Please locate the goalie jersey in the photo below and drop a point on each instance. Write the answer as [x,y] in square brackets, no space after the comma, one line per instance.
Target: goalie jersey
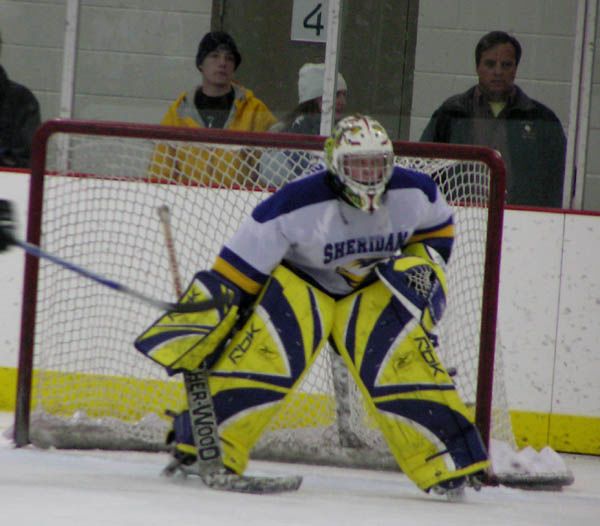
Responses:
[308,227]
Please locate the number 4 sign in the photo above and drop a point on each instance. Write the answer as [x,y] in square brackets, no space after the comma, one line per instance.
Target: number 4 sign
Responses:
[309,20]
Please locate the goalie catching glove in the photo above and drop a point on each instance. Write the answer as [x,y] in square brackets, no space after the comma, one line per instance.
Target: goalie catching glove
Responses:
[418,280]
[183,341]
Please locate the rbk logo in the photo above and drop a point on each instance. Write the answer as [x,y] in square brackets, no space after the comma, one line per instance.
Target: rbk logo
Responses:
[426,350]
[242,348]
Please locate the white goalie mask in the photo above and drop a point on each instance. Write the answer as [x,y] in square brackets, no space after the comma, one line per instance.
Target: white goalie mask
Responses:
[360,153]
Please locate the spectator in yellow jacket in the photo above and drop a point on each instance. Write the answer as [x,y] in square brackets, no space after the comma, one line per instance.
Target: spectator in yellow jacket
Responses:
[218,102]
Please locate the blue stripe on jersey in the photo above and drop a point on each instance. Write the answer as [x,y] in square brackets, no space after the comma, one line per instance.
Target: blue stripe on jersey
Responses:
[442,245]
[421,231]
[243,266]
[314,189]
[404,178]
[295,195]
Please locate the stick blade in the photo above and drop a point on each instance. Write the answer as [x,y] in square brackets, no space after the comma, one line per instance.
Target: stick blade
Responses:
[224,481]
[258,485]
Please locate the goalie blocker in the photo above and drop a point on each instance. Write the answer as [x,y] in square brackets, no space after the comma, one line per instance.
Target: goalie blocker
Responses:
[383,332]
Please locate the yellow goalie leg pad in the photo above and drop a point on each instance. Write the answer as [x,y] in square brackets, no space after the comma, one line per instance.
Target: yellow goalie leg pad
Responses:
[182,341]
[406,388]
[264,362]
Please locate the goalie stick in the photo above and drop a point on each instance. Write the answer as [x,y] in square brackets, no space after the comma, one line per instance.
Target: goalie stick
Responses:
[209,464]
[7,235]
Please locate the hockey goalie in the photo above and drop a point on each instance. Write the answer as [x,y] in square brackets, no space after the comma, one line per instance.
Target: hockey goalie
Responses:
[353,253]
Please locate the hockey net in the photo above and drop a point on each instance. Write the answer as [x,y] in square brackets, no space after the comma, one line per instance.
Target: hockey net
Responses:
[95,192]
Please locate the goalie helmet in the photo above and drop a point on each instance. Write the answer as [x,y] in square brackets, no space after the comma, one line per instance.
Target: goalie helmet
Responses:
[360,155]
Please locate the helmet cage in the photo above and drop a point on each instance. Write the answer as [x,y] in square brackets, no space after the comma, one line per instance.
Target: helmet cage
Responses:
[364,177]
[361,155]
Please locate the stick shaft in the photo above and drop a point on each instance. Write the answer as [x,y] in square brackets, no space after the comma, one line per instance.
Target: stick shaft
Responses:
[165,220]
[203,419]
[36,251]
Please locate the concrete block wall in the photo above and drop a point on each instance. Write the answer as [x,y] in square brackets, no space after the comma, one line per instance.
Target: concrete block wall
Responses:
[32,48]
[134,57]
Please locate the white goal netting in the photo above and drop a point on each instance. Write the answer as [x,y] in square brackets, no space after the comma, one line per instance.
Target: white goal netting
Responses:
[101,193]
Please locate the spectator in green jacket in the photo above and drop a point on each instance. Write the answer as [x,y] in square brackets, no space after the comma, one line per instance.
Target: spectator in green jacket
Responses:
[19,118]
[497,113]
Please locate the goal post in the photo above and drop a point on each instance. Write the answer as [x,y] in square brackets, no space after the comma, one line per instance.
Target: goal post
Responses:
[95,188]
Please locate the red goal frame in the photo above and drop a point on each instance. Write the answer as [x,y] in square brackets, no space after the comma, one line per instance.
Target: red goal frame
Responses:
[495,207]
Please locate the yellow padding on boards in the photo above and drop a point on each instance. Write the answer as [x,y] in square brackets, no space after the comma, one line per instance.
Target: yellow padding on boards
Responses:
[128,399]
[566,433]
[131,399]
[8,388]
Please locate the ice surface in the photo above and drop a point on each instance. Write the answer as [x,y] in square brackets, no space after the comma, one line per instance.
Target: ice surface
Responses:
[93,488]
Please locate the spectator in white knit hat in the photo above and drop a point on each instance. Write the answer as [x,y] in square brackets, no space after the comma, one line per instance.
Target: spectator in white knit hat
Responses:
[278,167]
[306,116]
